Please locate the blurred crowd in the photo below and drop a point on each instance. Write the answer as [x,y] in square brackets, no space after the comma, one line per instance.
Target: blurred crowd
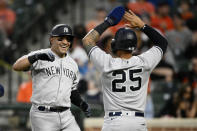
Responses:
[175,19]
[7,21]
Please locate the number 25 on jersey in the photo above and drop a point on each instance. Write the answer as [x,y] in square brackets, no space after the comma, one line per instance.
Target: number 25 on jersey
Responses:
[123,79]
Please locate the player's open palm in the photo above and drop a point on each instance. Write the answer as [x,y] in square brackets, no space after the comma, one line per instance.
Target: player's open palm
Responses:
[134,21]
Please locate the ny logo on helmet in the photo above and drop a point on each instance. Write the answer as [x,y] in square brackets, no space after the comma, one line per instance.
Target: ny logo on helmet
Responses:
[65,29]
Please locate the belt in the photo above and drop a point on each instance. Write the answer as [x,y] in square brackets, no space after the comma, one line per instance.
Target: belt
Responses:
[125,113]
[53,109]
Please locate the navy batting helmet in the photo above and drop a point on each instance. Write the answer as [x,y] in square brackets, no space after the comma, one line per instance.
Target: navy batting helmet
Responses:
[62,30]
[125,39]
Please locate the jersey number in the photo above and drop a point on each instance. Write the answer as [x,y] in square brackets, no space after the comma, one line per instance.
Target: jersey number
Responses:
[123,79]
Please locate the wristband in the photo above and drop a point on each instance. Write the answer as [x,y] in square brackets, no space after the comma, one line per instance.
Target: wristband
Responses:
[102,27]
[143,27]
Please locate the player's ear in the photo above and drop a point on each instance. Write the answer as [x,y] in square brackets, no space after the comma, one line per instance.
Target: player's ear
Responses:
[50,40]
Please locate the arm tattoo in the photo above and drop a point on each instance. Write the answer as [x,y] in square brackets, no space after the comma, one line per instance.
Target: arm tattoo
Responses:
[90,40]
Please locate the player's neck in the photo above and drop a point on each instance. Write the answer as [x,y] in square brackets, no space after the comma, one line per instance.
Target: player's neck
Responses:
[124,55]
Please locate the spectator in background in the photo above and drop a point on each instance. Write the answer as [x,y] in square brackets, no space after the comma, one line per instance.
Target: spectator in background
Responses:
[183,104]
[189,76]
[7,21]
[100,14]
[185,10]
[171,3]
[179,38]
[162,20]
[77,52]
[170,107]
[141,6]
[163,71]
[187,103]
[162,76]
[93,94]
[192,77]
[25,91]
[191,49]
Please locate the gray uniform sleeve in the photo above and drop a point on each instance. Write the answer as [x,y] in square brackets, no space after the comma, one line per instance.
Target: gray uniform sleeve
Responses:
[151,57]
[99,58]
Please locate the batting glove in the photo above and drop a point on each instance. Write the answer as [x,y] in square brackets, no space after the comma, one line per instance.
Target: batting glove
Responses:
[41,56]
[115,15]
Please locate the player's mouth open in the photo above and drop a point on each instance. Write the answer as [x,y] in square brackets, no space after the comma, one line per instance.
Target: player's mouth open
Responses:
[63,46]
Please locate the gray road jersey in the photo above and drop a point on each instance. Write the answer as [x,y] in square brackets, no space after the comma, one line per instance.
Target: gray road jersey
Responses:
[125,81]
[53,81]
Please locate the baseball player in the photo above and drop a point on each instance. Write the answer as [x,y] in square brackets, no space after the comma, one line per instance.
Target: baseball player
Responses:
[124,77]
[55,77]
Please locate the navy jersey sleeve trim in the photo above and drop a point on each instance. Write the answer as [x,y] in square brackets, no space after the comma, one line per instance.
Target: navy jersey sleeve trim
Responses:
[91,51]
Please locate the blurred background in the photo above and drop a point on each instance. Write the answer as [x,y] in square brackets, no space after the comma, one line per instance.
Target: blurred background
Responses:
[172,92]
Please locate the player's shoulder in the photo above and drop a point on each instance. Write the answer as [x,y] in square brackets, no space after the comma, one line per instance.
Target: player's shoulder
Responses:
[45,50]
[156,50]
[40,51]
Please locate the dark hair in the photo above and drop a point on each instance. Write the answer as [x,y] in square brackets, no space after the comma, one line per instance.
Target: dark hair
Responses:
[182,91]
[103,42]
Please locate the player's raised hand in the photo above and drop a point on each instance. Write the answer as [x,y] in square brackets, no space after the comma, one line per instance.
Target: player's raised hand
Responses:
[41,56]
[133,20]
[46,56]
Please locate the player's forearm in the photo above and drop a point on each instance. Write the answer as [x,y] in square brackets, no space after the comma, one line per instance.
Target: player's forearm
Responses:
[155,37]
[76,98]
[90,40]
[93,36]
[21,64]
